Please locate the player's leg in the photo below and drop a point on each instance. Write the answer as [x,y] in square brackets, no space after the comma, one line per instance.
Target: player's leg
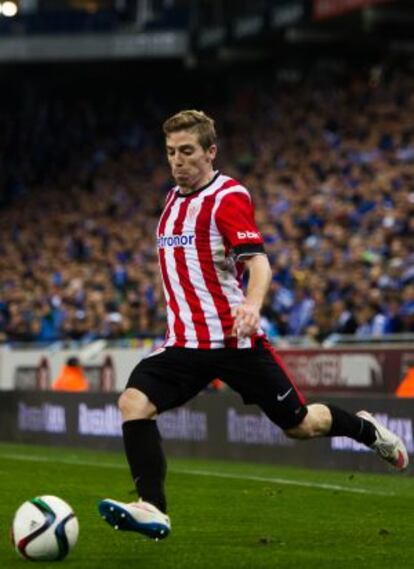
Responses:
[325,420]
[328,420]
[142,444]
[161,381]
[331,421]
[265,381]
[146,459]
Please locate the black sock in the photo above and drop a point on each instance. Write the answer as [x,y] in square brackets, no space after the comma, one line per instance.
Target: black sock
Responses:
[146,460]
[346,424]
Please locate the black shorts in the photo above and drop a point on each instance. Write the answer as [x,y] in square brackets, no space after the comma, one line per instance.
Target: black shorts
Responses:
[172,376]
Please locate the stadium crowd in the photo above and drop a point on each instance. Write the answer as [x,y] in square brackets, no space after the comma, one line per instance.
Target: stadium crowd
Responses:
[330,167]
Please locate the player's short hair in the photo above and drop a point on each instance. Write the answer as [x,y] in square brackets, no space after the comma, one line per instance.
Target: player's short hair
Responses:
[196,121]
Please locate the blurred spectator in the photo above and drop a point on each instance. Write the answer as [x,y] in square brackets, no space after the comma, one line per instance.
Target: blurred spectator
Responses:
[343,319]
[83,182]
[71,377]
[371,322]
[406,387]
[300,314]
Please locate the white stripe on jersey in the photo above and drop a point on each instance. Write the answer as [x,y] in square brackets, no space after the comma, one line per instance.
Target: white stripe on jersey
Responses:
[169,199]
[185,311]
[195,273]
[214,324]
[231,289]
[170,313]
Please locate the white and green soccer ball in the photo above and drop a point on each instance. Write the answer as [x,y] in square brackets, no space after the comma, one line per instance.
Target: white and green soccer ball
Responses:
[45,529]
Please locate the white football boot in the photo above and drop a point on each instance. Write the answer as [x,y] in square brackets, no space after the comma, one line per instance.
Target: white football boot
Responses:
[136,516]
[388,445]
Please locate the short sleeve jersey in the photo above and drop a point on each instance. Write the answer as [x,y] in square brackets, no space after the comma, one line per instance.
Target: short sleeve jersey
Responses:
[203,238]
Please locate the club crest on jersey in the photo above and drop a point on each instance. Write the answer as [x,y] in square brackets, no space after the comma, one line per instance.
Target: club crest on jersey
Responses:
[193,211]
[185,240]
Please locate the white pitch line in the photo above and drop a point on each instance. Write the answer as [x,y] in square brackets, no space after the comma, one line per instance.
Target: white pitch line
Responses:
[58,460]
[287,482]
[234,476]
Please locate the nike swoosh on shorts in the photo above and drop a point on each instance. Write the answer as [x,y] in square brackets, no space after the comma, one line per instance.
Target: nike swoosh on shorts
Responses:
[282,397]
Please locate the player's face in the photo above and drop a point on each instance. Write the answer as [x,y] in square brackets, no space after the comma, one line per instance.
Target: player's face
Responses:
[191,165]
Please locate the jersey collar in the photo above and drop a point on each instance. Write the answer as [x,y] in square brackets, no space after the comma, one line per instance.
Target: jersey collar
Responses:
[213,179]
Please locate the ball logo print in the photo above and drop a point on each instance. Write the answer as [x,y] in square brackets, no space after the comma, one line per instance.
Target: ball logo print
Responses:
[44,528]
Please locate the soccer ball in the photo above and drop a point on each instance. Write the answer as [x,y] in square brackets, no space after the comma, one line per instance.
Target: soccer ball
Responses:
[44,529]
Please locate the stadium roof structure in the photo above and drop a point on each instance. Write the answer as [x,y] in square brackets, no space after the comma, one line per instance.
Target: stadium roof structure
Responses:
[199,30]
[384,25]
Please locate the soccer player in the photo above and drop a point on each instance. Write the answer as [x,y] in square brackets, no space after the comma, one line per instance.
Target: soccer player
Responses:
[206,237]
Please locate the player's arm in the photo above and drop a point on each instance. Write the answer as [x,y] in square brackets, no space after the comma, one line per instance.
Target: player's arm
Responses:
[247,315]
[235,220]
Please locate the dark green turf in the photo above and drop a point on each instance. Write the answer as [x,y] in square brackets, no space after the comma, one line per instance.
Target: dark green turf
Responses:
[218,522]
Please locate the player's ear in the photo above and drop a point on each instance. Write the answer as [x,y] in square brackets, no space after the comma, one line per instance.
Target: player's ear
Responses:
[212,152]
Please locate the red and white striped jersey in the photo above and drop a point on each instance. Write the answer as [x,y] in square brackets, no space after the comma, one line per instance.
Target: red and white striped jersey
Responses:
[202,238]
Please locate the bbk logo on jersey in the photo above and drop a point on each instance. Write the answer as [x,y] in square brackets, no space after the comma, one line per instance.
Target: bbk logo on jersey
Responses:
[248,235]
[186,240]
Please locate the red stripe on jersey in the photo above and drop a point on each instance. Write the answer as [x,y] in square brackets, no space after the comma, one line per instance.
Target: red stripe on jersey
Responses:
[206,260]
[193,301]
[169,200]
[279,361]
[230,342]
[179,328]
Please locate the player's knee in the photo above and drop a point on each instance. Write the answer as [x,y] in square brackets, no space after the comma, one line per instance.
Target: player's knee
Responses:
[316,423]
[302,431]
[134,404]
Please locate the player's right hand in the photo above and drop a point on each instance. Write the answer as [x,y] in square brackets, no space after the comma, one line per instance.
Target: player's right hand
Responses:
[246,320]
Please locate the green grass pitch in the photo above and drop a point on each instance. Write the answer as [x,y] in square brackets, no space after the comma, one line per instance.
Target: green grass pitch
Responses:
[224,514]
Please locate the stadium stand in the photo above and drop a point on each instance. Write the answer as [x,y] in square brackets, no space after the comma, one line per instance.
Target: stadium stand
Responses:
[330,164]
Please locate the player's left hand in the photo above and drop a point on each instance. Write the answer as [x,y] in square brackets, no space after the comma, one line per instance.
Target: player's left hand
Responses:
[246,320]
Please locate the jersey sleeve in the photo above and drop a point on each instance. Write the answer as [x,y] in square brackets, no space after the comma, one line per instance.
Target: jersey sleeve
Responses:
[235,221]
